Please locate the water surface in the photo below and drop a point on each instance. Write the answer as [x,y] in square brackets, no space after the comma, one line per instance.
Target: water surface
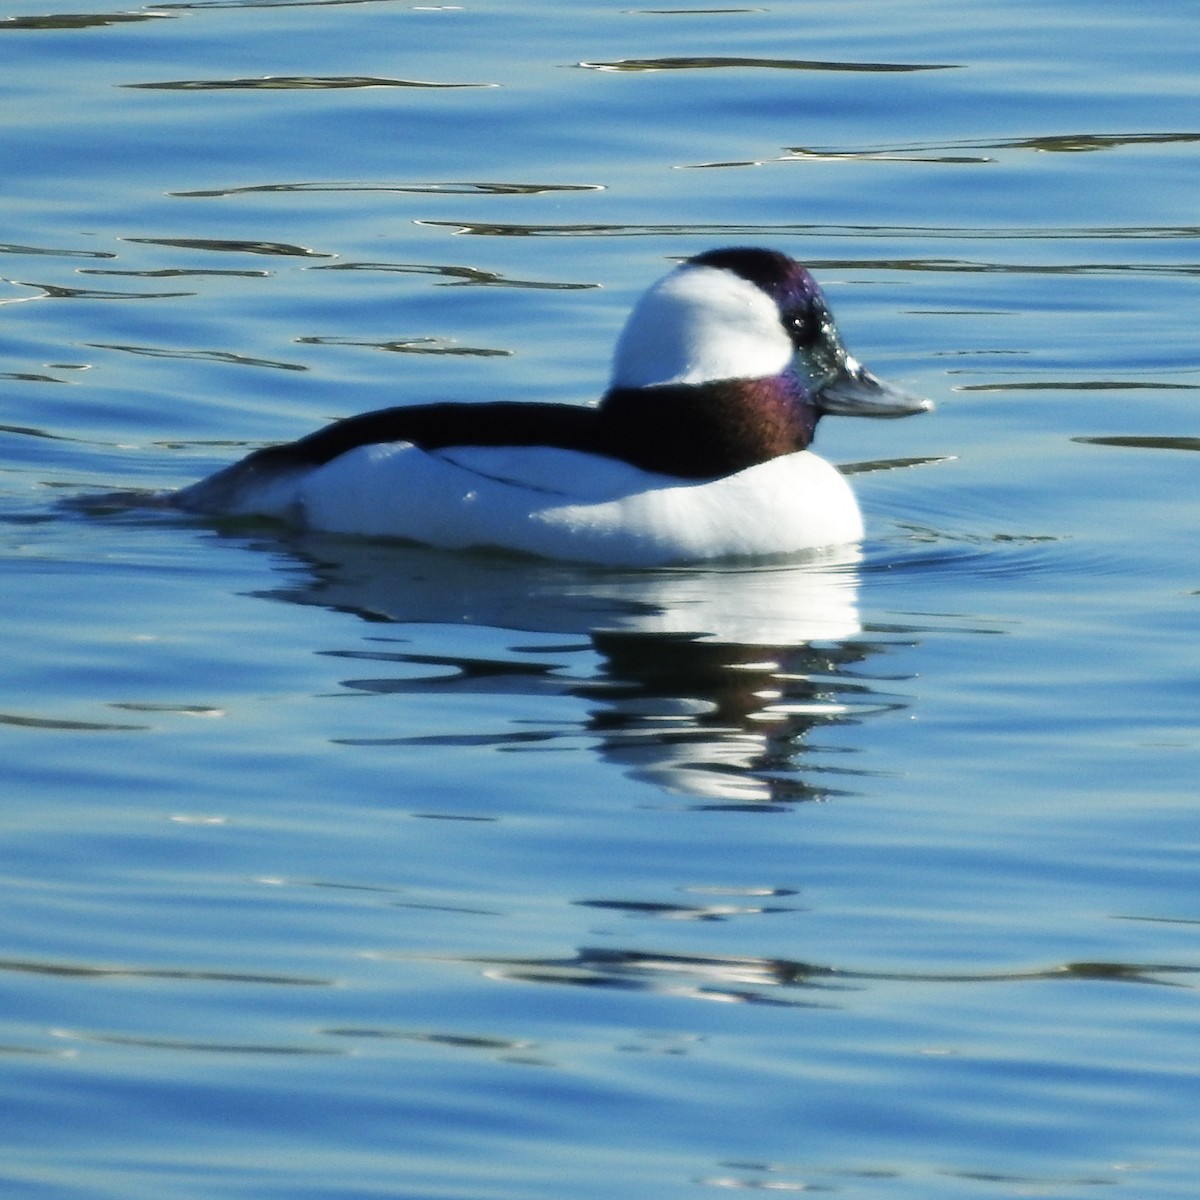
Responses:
[346,870]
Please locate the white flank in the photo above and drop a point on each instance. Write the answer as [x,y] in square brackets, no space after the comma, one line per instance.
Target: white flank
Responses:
[786,506]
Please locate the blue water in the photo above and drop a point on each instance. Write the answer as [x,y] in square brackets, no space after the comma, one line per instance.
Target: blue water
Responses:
[344,870]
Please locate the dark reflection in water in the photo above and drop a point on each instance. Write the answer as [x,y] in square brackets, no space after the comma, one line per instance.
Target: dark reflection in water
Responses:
[230,246]
[1135,442]
[453,188]
[707,682]
[77,970]
[699,912]
[58,291]
[776,981]
[188,5]
[177,273]
[798,1177]
[711,62]
[78,20]
[189,1045]
[1082,385]
[969,266]
[458,276]
[415,345]
[221,356]
[953,151]
[53,251]
[793,229]
[295,83]
[32,722]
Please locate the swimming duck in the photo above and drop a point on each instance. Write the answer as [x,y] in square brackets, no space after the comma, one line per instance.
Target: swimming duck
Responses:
[697,451]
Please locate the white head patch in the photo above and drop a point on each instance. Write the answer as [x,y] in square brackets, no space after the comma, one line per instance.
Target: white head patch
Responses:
[699,324]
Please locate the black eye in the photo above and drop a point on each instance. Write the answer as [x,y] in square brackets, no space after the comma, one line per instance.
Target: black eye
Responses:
[802,329]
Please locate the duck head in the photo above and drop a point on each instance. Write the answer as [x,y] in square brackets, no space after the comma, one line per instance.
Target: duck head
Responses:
[747,314]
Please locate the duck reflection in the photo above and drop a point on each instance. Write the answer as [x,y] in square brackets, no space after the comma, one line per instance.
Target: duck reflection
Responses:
[706,682]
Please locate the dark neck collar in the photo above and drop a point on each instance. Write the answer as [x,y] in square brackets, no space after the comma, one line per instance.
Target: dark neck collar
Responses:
[701,431]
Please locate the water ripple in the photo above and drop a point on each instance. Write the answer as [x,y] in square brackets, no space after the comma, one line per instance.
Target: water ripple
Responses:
[710,62]
[80,20]
[457,1041]
[1134,442]
[684,912]
[221,356]
[191,1045]
[228,246]
[177,273]
[458,276]
[807,1177]
[28,721]
[951,151]
[475,188]
[752,980]
[295,83]
[53,251]
[919,547]
[414,345]
[1105,233]
[1080,385]
[200,5]
[58,291]
[90,971]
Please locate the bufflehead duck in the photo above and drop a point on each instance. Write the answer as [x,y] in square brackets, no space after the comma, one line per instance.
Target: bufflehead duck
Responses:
[697,451]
